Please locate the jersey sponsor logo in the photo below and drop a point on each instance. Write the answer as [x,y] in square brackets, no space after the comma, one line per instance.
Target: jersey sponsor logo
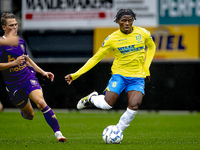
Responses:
[129,48]
[122,39]
[17,68]
[122,42]
[11,58]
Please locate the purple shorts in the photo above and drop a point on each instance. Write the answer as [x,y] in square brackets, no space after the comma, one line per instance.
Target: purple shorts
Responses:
[20,96]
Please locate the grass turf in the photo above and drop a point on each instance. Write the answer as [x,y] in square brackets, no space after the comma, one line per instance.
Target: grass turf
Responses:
[83,130]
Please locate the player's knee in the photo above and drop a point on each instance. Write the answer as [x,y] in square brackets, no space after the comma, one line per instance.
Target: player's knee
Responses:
[134,107]
[41,104]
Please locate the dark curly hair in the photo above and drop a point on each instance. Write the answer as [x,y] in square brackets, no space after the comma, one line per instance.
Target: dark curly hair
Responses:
[122,12]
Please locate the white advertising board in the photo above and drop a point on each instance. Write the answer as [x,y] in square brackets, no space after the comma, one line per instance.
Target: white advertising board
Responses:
[84,14]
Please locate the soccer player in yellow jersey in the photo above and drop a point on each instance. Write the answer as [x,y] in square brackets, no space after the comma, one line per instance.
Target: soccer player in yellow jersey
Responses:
[129,70]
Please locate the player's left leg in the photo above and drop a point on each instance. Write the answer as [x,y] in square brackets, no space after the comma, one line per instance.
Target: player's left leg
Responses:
[37,97]
[134,100]
[135,92]
[27,111]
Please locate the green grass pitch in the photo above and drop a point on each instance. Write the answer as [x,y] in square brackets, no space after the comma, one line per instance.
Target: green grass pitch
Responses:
[83,130]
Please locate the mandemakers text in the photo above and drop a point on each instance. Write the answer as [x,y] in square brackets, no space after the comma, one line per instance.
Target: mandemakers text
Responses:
[68,4]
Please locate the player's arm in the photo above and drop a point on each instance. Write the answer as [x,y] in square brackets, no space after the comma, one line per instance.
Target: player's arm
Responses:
[18,61]
[31,63]
[11,40]
[88,65]
[149,56]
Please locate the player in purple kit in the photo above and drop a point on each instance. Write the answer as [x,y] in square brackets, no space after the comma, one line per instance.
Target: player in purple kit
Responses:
[11,40]
[18,71]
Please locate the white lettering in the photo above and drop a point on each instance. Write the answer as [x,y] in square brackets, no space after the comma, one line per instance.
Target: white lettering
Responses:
[173,8]
[179,8]
[190,5]
[163,7]
[198,8]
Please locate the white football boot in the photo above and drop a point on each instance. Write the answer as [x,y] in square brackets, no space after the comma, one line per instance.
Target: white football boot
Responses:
[60,137]
[85,101]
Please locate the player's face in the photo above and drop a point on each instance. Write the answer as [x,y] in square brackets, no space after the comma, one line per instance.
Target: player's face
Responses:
[125,24]
[10,25]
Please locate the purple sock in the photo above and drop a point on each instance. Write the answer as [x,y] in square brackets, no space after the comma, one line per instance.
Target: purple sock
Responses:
[50,118]
[23,115]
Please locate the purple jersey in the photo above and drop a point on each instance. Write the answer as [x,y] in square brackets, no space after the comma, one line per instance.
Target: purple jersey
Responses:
[14,76]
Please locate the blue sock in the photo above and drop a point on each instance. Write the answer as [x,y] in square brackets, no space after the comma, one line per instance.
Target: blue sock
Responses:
[50,118]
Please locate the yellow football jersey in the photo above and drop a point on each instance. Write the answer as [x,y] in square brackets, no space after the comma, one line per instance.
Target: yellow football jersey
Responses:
[129,51]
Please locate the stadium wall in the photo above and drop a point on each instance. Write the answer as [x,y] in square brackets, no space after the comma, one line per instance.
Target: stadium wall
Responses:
[173,86]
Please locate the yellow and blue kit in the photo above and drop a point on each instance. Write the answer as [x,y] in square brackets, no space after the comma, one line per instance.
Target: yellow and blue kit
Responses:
[129,51]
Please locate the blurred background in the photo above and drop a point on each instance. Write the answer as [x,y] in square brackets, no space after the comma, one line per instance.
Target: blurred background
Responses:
[61,35]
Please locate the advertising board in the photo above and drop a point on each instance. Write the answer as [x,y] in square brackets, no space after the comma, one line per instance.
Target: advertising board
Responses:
[172,42]
[83,14]
[179,12]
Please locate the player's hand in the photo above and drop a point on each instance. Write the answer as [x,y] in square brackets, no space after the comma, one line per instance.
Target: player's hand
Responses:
[147,78]
[68,78]
[19,60]
[49,75]
[12,40]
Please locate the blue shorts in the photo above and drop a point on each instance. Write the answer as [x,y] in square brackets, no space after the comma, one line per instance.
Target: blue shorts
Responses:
[118,83]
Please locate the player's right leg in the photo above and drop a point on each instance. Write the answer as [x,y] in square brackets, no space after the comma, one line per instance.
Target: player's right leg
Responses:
[86,101]
[100,101]
[114,88]
[37,97]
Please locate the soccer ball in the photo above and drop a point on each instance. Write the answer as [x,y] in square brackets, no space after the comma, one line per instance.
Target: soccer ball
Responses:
[112,135]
